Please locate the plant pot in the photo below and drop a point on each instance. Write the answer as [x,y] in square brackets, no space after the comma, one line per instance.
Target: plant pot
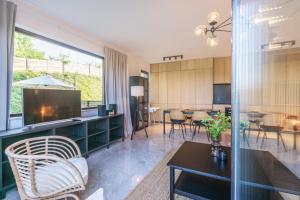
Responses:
[215,147]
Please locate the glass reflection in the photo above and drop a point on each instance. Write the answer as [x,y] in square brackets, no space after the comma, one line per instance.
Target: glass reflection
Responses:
[267,62]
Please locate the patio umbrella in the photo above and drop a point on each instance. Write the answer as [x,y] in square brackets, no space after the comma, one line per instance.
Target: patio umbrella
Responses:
[44,82]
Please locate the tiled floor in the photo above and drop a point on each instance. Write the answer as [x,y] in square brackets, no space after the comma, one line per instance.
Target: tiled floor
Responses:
[119,169]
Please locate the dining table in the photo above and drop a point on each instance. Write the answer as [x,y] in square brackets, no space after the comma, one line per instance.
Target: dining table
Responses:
[184,111]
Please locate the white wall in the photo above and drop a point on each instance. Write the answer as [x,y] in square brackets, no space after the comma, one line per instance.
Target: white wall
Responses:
[135,65]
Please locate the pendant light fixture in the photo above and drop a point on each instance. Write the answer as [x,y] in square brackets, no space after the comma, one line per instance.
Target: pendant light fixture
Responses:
[213,27]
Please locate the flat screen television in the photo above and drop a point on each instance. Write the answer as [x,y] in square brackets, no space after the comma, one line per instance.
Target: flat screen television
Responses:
[44,105]
[222,94]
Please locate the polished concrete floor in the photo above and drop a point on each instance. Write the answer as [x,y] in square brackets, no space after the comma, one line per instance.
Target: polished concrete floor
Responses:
[121,167]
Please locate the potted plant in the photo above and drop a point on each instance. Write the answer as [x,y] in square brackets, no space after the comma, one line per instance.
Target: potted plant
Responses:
[216,125]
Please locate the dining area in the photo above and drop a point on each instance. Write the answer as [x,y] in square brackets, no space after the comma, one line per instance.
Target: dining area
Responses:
[191,119]
[259,130]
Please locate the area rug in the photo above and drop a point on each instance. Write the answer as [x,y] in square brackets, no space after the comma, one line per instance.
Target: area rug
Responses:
[155,186]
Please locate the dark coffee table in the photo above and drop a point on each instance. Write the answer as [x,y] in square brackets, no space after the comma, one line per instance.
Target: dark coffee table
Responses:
[205,177]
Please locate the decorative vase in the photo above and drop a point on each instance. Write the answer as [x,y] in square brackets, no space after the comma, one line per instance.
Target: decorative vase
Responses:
[215,147]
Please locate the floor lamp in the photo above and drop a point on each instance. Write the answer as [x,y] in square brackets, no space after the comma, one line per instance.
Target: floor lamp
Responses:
[137,91]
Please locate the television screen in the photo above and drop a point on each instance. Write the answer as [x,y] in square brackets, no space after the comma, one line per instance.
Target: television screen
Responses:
[44,105]
[222,94]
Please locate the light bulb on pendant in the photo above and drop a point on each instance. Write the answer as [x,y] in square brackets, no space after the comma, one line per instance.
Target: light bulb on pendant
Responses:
[200,30]
[213,17]
[212,41]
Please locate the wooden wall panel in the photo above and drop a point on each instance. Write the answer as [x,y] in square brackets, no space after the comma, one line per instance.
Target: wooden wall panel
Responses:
[220,107]
[187,83]
[274,80]
[173,87]
[154,87]
[227,70]
[204,86]
[173,66]
[219,70]
[162,67]
[206,63]
[293,84]
[154,68]
[188,87]
[190,64]
[160,111]
[188,106]
[163,88]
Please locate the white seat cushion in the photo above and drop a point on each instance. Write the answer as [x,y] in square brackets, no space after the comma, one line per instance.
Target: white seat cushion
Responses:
[82,166]
[54,177]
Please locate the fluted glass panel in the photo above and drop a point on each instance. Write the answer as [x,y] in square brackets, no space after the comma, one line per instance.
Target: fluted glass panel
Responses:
[266,58]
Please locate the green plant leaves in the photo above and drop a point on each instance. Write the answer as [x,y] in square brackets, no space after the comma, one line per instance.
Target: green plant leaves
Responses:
[217,124]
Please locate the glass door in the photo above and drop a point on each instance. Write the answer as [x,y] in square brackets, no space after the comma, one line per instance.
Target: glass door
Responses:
[266,99]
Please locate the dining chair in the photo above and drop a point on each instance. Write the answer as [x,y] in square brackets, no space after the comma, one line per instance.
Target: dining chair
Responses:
[197,120]
[177,117]
[189,117]
[48,168]
[255,119]
[272,123]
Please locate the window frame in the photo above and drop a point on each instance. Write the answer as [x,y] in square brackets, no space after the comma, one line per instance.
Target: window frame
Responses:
[50,40]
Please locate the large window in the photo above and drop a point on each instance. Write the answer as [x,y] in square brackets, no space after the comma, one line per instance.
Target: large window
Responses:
[36,56]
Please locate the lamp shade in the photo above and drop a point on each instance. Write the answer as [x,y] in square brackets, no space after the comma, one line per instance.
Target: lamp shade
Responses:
[137,91]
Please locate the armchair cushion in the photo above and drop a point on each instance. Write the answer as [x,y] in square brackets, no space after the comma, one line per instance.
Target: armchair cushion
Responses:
[52,174]
[82,166]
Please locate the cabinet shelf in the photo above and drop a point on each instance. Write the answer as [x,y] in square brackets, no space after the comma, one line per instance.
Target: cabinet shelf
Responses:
[95,145]
[114,138]
[115,127]
[76,138]
[74,132]
[200,187]
[96,132]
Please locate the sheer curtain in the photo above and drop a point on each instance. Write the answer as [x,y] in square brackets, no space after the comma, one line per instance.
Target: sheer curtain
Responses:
[116,84]
[7,29]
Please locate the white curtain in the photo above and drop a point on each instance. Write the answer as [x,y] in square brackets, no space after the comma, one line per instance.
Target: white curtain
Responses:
[116,84]
[7,29]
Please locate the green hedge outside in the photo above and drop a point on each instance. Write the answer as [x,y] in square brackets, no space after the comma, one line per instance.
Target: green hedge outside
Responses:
[90,86]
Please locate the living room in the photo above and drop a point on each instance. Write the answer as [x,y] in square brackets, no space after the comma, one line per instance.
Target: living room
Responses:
[149,99]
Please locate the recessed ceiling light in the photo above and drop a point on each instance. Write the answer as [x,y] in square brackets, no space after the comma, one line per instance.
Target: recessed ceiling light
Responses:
[267,19]
[278,45]
[269,9]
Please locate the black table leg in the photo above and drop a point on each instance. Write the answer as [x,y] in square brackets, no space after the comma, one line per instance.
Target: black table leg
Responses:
[263,139]
[194,133]
[295,141]
[283,144]
[164,122]
[143,123]
[172,174]
[134,125]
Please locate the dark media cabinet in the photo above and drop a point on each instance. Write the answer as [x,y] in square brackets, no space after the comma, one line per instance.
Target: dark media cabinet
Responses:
[90,134]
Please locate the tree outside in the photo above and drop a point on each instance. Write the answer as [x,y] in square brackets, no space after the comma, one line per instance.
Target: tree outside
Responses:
[89,84]
[24,47]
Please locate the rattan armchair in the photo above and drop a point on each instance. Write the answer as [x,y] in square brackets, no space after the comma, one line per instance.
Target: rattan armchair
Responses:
[47,168]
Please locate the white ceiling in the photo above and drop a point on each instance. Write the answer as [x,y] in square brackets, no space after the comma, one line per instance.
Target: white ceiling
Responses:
[150,29]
